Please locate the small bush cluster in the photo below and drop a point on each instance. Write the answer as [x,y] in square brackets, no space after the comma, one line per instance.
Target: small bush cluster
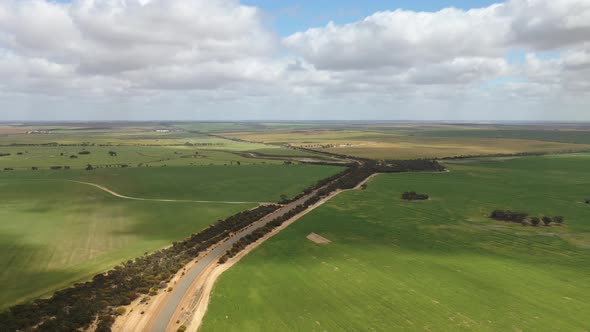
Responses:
[413,196]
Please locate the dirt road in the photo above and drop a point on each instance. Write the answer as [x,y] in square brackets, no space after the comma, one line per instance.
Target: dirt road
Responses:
[157,199]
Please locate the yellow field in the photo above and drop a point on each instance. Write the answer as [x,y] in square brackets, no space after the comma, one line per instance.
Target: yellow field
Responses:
[403,144]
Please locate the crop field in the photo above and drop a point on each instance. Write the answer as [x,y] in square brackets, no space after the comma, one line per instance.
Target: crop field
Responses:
[407,142]
[50,240]
[76,147]
[439,264]
[55,232]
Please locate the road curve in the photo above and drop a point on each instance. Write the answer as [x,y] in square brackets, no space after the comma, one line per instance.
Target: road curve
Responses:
[162,318]
[116,194]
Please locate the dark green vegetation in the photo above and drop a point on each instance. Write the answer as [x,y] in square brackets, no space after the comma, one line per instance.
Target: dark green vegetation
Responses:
[521,217]
[413,196]
[437,265]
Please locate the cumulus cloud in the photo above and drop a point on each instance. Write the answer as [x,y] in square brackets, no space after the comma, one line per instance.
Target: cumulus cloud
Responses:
[141,42]
[221,50]
[407,38]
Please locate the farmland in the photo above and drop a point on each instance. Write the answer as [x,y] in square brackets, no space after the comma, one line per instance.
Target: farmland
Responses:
[55,232]
[439,264]
[421,141]
[377,261]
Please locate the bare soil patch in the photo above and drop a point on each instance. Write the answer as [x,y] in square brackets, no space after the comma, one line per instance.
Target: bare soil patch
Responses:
[315,238]
[12,130]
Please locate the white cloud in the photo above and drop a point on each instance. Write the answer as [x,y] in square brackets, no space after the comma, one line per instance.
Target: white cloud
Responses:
[408,38]
[141,42]
[402,38]
[219,52]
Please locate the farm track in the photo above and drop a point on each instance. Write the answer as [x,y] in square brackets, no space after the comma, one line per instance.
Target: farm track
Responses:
[157,199]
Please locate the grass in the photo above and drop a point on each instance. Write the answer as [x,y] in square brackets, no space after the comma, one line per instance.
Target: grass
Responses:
[252,183]
[134,146]
[49,241]
[60,232]
[439,264]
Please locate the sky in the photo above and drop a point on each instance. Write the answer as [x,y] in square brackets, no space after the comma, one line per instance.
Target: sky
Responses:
[95,60]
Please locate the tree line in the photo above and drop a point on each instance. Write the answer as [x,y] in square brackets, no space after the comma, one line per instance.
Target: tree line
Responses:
[523,218]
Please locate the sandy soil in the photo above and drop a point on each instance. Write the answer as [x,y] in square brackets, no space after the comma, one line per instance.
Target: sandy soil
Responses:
[316,238]
[12,130]
[158,199]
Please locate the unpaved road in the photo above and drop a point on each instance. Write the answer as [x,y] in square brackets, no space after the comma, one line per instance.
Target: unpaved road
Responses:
[164,316]
[160,319]
[157,199]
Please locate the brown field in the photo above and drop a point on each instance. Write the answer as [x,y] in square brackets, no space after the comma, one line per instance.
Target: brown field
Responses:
[403,144]
[12,130]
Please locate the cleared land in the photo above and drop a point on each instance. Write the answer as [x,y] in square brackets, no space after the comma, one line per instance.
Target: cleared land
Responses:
[424,141]
[432,265]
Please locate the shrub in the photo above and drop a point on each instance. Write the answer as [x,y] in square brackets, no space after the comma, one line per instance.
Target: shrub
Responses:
[535,221]
[508,215]
[413,196]
[547,220]
[120,311]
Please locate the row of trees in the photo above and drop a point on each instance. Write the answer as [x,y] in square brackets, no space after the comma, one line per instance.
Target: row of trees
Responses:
[522,217]
[347,179]
[77,307]
[413,196]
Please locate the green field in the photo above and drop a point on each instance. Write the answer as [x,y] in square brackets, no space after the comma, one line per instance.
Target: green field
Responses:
[56,232]
[134,146]
[252,183]
[438,265]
